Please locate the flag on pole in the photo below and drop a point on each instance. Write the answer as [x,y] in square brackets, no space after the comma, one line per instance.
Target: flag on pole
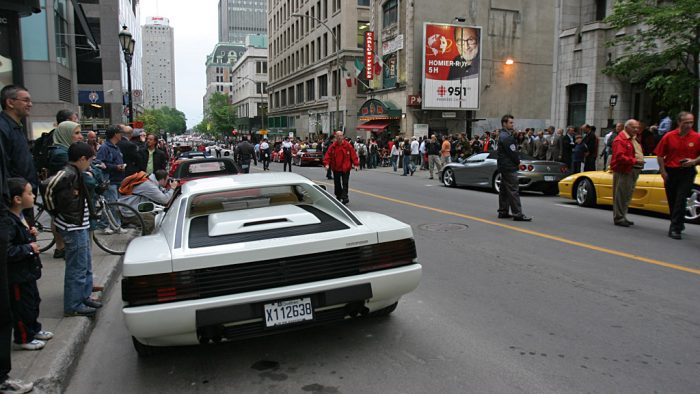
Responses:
[358,67]
[348,78]
[378,65]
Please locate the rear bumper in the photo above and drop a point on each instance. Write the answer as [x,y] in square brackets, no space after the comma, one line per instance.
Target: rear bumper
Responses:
[240,315]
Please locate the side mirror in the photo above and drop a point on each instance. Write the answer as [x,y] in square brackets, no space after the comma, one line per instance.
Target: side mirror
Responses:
[145,207]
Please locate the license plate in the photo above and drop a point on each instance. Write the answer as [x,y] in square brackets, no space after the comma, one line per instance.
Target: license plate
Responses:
[289,311]
[548,178]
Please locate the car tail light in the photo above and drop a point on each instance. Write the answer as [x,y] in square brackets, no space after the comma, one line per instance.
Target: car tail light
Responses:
[388,255]
[530,167]
[158,288]
[522,167]
[564,169]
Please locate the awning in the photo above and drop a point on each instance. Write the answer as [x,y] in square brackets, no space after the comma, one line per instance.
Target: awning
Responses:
[374,125]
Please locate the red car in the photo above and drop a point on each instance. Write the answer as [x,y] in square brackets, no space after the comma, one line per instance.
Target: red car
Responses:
[307,156]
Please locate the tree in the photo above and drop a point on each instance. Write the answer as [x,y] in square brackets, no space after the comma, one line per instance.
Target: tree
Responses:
[220,116]
[662,53]
[168,119]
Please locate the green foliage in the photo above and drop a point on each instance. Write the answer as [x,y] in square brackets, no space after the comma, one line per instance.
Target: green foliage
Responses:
[167,119]
[661,48]
[220,116]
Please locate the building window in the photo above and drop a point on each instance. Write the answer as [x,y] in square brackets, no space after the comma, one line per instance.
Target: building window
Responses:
[600,6]
[325,9]
[577,94]
[364,3]
[391,13]
[300,93]
[310,90]
[61,29]
[362,27]
[323,86]
[291,95]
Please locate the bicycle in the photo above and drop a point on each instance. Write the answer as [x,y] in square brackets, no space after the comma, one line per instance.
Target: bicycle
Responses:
[122,227]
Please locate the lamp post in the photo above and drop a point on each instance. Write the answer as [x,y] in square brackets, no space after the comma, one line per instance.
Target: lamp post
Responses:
[262,104]
[128,43]
[613,103]
[337,61]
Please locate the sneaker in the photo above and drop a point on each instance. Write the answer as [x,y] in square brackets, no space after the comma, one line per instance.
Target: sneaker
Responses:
[92,303]
[109,231]
[84,311]
[59,253]
[15,386]
[35,344]
[43,335]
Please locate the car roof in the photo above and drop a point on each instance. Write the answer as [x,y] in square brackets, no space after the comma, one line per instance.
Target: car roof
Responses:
[241,181]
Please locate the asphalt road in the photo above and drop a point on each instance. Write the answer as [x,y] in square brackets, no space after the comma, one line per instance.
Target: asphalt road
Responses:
[568,303]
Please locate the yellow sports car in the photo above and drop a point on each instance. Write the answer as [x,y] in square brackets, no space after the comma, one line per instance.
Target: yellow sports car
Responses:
[595,187]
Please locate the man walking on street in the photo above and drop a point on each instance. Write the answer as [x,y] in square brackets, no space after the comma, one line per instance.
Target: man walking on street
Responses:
[433,148]
[626,163]
[508,162]
[678,153]
[340,158]
[245,152]
[445,151]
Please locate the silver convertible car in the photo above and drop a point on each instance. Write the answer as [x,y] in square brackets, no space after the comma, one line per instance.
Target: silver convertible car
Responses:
[480,170]
[247,255]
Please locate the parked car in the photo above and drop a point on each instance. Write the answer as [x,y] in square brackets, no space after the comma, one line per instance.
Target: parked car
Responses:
[191,169]
[595,188]
[240,256]
[307,156]
[481,170]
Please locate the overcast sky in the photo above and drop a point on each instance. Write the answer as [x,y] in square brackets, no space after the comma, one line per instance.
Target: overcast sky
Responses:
[195,24]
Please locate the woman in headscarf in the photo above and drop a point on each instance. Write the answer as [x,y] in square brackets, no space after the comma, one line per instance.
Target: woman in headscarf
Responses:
[65,134]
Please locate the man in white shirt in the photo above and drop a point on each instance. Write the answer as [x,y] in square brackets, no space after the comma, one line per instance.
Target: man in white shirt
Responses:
[415,154]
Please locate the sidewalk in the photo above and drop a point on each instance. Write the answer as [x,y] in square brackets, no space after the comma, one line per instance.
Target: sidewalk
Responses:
[51,367]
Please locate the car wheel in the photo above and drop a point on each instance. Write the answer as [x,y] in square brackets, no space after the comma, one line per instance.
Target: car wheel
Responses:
[143,350]
[692,208]
[496,182]
[585,193]
[448,177]
[385,311]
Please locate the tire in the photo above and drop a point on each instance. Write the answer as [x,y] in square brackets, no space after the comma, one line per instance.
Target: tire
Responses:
[143,350]
[42,222]
[692,208]
[385,311]
[496,182]
[117,243]
[585,193]
[448,177]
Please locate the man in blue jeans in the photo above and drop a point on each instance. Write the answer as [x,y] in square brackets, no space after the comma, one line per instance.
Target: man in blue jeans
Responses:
[111,156]
[73,222]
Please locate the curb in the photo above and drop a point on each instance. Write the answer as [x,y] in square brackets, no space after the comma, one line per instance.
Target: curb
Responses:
[61,368]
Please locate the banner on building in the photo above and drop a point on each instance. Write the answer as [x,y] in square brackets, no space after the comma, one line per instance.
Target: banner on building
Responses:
[369,55]
[390,71]
[451,66]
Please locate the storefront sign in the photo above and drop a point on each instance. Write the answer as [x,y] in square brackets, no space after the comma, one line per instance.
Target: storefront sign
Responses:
[369,55]
[91,97]
[414,100]
[420,130]
[393,45]
[451,66]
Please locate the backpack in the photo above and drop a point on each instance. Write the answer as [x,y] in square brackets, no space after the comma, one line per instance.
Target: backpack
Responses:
[133,180]
[46,194]
[373,148]
[362,150]
[40,150]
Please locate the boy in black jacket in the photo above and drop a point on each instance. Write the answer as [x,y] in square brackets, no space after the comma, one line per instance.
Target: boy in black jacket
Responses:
[24,269]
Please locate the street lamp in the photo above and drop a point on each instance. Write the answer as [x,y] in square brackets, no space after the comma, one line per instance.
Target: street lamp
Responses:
[128,43]
[262,104]
[338,66]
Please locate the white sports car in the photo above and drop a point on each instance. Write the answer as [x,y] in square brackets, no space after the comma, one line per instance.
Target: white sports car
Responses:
[248,255]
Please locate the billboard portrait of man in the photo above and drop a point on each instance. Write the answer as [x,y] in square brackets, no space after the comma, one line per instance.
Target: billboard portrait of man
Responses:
[467,62]
[451,66]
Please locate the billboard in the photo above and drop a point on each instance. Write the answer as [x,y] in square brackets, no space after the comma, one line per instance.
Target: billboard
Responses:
[451,66]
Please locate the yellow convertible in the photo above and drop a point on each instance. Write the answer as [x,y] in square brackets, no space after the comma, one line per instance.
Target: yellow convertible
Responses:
[595,187]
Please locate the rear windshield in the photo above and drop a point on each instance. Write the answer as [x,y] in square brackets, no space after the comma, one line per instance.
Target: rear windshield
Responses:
[233,200]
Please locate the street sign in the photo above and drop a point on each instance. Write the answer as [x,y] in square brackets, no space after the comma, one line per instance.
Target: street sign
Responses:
[414,100]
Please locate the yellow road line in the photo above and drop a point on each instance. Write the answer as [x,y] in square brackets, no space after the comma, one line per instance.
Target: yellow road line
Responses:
[535,233]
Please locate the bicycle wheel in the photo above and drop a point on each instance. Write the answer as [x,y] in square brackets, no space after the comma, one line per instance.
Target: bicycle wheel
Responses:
[42,222]
[125,224]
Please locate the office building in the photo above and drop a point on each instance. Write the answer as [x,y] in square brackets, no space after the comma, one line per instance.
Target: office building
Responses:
[239,18]
[158,64]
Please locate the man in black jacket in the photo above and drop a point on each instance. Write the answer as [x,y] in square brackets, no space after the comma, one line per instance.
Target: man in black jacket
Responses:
[153,158]
[130,152]
[245,152]
[16,105]
[508,163]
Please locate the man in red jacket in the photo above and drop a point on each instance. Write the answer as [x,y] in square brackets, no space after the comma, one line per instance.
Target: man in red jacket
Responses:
[626,163]
[340,158]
